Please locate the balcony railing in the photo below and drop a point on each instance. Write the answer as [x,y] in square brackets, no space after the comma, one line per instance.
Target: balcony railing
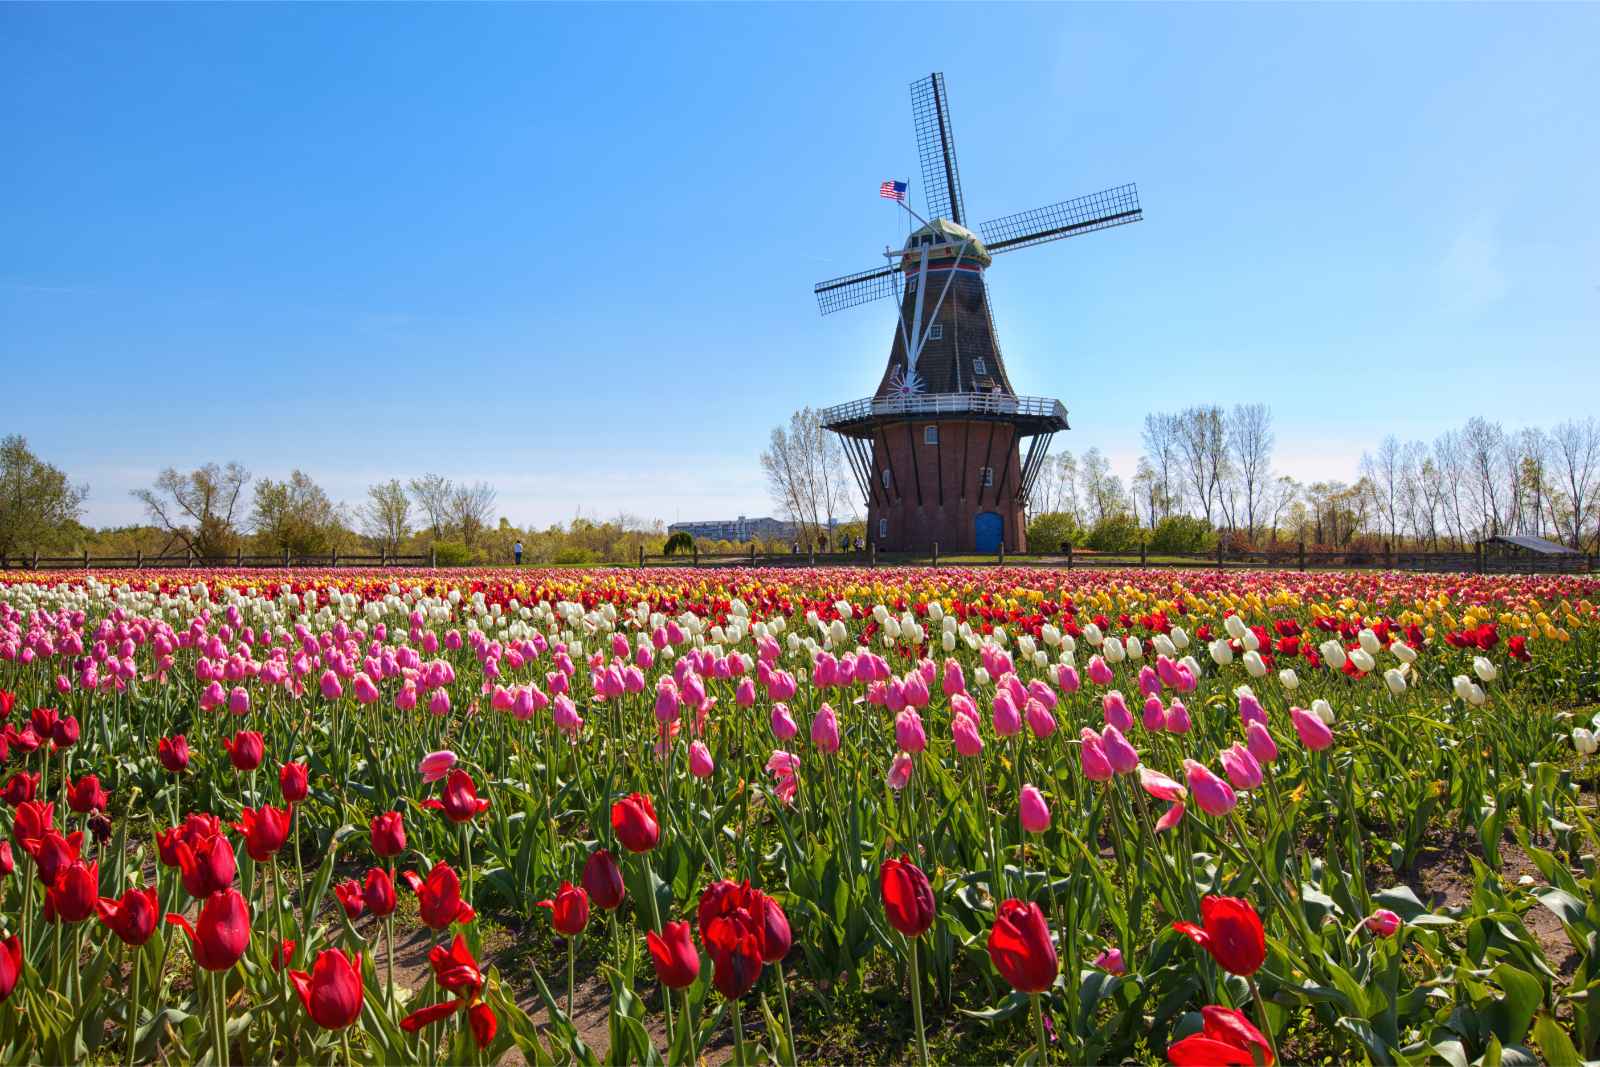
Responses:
[945,404]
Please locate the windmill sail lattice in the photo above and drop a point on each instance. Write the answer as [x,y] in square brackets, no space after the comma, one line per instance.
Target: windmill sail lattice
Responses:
[936,450]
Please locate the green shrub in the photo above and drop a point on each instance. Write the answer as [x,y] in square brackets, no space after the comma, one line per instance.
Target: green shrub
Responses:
[1182,535]
[1115,533]
[678,542]
[451,554]
[575,555]
[1049,531]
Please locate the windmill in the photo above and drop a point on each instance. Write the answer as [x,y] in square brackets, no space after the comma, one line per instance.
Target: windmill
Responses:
[937,449]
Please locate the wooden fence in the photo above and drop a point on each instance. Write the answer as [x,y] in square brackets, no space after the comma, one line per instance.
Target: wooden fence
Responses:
[139,561]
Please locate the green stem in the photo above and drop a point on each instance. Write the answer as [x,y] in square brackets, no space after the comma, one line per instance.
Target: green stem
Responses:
[740,1057]
[688,1021]
[1043,1055]
[1261,1016]
[916,1003]
[788,1026]
[133,1005]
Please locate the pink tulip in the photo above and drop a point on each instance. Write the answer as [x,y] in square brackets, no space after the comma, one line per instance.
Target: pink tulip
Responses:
[899,772]
[1259,740]
[435,765]
[916,690]
[1212,794]
[825,730]
[366,692]
[700,763]
[744,695]
[965,733]
[1250,710]
[1160,786]
[1067,679]
[331,689]
[1122,756]
[1040,721]
[1178,718]
[1382,922]
[1099,671]
[667,703]
[1116,710]
[1314,733]
[1007,722]
[962,705]
[1092,757]
[955,680]
[1110,961]
[239,700]
[1038,690]
[783,724]
[565,715]
[908,731]
[1173,816]
[439,702]
[1033,811]
[1149,681]
[1154,716]
[1242,769]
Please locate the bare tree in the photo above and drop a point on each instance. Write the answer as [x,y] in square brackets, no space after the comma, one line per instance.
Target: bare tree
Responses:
[197,508]
[433,493]
[1384,472]
[805,470]
[1162,448]
[1282,495]
[295,515]
[1249,443]
[37,503]
[1102,490]
[386,514]
[1202,445]
[1576,446]
[1483,444]
[470,509]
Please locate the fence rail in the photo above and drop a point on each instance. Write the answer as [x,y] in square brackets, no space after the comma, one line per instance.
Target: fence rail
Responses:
[139,561]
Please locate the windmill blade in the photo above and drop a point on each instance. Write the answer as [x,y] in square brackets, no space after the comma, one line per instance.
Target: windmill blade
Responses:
[839,293]
[936,149]
[1116,206]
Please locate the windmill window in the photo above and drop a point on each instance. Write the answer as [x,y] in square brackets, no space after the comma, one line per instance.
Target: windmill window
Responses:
[930,435]
[979,366]
[986,476]
[886,478]
[883,527]
[936,332]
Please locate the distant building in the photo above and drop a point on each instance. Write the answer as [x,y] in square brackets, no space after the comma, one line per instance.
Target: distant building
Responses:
[739,530]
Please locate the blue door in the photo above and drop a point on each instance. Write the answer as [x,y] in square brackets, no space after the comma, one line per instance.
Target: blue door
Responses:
[988,529]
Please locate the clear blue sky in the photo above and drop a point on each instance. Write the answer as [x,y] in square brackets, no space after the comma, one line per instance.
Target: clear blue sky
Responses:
[570,250]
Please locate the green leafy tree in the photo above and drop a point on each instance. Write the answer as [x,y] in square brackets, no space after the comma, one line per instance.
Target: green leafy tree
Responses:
[39,507]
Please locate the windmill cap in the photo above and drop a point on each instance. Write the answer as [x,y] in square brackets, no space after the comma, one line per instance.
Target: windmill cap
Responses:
[945,234]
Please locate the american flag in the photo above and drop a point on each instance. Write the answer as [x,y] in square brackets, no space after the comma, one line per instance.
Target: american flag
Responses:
[893,190]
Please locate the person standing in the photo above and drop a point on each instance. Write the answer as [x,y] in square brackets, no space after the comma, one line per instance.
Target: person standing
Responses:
[516,550]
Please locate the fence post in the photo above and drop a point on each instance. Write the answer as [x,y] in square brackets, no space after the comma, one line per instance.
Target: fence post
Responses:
[138,559]
[1477,556]
[1069,555]
[872,554]
[936,553]
[1002,551]
[383,556]
[433,556]
[86,559]
[335,562]
[286,559]
[1388,556]
[188,556]
[1143,549]
[696,555]
[1219,550]
[1302,555]
[752,553]
[641,555]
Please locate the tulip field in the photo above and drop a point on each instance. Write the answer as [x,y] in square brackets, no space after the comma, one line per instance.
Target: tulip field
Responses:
[792,816]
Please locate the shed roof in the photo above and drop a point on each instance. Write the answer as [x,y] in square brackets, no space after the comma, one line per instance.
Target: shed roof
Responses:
[1534,544]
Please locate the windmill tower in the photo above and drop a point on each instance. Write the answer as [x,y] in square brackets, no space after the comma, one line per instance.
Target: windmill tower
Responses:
[937,450]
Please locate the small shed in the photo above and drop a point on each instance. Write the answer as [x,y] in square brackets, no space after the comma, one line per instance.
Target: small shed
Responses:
[1522,554]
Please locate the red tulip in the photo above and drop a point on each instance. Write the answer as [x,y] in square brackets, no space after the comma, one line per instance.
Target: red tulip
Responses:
[265,829]
[388,834]
[677,962]
[907,896]
[33,819]
[221,933]
[1231,931]
[439,900]
[43,722]
[602,878]
[173,752]
[19,788]
[481,1019]
[194,830]
[10,965]
[294,781]
[7,863]
[569,911]
[633,819]
[332,992]
[773,927]
[73,896]
[378,892]
[51,854]
[1021,949]
[65,733]
[85,795]
[208,866]
[1227,1038]
[455,968]
[132,918]
[351,896]
[246,750]
[735,948]
[461,802]
[283,953]
[8,700]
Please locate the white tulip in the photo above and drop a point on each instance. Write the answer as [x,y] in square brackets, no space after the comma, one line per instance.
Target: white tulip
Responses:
[1041,659]
[1221,652]
[1362,659]
[837,632]
[1253,664]
[843,608]
[1403,652]
[1068,645]
[1332,654]
[1369,641]
[1135,648]
[1323,710]
[1250,641]
[1461,685]
[935,610]
[1395,679]
[1092,634]
[1484,669]
[980,676]
[1113,651]
[879,613]
[1025,645]
[1242,691]
[1235,627]
[1190,662]
[1585,741]
[891,627]
[1164,646]
[947,640]
[1000,636]
[1180,637]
